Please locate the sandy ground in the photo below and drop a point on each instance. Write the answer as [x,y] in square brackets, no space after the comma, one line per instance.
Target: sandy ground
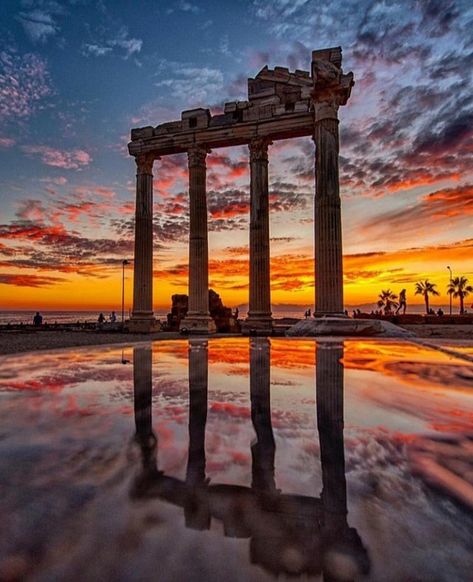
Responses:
[18,341]
[12,342]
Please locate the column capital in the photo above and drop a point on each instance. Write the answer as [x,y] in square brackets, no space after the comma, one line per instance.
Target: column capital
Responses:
[258,147]
[196,155]
[144,163]
[331,88]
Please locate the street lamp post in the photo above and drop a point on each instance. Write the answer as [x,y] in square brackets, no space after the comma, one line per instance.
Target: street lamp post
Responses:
[124,263]
[451,277]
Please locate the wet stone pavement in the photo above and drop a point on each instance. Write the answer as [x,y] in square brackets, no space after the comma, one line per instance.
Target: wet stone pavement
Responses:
[237,459]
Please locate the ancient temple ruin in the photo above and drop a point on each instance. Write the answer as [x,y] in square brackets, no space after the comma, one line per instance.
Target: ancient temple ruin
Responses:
[280,105]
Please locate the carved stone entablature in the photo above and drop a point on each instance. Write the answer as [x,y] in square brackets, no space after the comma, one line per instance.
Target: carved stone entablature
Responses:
[331,86]
[280,105]
[196,155]
[144,163]
[258,147]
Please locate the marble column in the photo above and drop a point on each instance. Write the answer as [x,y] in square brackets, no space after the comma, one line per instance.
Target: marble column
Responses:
[331,89]
[327,216]
[259,313]
[142,319]
[198,319]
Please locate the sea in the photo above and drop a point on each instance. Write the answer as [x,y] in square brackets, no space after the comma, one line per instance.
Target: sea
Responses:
[293,311]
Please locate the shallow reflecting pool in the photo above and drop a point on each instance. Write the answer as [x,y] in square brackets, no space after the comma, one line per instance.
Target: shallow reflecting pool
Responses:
[237,459]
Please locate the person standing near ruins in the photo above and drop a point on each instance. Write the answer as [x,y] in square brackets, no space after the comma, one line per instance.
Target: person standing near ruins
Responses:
[402,302]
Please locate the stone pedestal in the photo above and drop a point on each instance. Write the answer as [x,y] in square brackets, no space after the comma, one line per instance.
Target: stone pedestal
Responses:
[142,318]
[198,320]
[259,313]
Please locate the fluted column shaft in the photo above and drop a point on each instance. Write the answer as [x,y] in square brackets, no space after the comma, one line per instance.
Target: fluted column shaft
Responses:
[328,222]
[198,238]
[143,263]
[260,293]
[198,319]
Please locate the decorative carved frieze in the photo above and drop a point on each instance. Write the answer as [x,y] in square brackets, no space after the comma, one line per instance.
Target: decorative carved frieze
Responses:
[144,163]
[331,86]
[196,155]
[258,147]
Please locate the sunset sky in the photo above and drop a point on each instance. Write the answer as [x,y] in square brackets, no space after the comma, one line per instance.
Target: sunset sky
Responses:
[77,75]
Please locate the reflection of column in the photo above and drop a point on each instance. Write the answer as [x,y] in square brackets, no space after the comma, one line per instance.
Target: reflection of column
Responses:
[259,313]
[142,318]
[196,505]
[142,391]
[344,556]
[198,319]
[264,448]
[329,395]
[198,387]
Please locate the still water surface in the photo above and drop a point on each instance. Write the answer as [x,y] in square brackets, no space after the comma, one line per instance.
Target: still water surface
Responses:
[235,459]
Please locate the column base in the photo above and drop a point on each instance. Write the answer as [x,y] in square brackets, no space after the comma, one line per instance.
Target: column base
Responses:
[256,324]
[196,323]
[142,324]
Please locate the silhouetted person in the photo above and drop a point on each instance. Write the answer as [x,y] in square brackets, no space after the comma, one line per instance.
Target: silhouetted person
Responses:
[101,319]
[237,313]
[113,317]
[346,312]
[402,302]
[38,319]
[440,312]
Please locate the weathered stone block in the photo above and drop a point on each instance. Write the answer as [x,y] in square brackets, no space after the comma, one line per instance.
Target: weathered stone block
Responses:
[230,107]
[141,132]
[301,106]
[344,326]
[195,118]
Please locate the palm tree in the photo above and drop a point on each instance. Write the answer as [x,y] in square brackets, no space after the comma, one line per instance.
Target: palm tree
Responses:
[458,287]
[425,288]
[387,299]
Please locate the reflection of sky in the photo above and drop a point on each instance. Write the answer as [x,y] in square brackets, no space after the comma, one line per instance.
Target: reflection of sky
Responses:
[67,424]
